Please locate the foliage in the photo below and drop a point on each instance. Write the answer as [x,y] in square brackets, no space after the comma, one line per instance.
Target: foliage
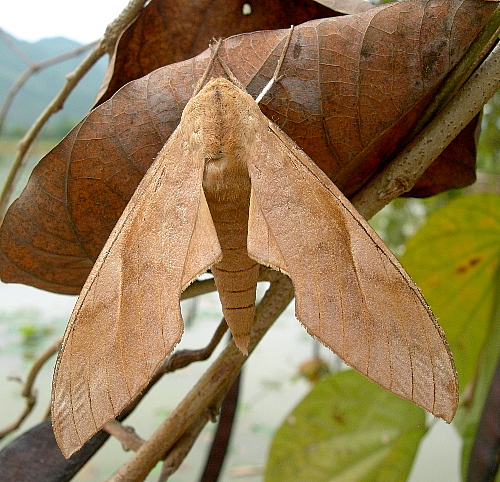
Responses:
[347,429]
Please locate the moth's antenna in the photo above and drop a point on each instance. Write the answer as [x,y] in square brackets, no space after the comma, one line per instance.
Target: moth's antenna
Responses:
[230,74]
[214,46]
[276,77]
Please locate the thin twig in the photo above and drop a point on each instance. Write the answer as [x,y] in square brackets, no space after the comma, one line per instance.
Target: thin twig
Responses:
[105,45]
[32,69]
[14,48]
[30,403]
[183,358]
[28,392]
[38,364]
[125,434]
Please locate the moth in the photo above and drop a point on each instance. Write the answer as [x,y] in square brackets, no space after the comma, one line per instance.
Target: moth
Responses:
[230,191]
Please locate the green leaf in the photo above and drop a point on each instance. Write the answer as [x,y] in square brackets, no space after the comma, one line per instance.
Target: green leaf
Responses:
[347,429]
[454,258]
[469,415]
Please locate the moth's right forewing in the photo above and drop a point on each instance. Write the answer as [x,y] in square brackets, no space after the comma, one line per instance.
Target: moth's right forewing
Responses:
[127,318]
[351,292]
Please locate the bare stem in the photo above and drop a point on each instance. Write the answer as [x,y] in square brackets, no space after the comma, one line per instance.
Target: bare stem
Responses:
[28,393]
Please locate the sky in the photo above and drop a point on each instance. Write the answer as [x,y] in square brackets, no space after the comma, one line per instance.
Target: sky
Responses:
[83,21]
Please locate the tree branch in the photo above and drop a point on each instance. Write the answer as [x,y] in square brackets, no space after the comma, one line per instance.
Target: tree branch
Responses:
[401,175]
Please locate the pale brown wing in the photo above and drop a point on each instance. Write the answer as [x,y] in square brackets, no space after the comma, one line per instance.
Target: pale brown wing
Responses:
[127,318]
[351,292]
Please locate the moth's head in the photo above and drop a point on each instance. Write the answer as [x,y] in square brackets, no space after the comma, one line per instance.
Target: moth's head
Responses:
[219,119]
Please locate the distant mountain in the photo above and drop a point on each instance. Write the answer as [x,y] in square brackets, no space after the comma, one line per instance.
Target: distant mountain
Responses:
[41,88]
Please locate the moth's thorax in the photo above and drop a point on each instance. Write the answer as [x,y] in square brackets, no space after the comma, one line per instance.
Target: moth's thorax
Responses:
[218,124]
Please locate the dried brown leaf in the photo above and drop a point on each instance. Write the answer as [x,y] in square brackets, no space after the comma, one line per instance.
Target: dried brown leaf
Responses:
[169,31]
[353,88]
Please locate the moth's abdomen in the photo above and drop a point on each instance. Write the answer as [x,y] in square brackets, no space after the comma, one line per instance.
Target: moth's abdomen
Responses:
[236,274]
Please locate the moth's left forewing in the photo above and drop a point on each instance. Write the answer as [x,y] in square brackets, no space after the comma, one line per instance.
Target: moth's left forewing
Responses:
[351,292]
[127,318]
